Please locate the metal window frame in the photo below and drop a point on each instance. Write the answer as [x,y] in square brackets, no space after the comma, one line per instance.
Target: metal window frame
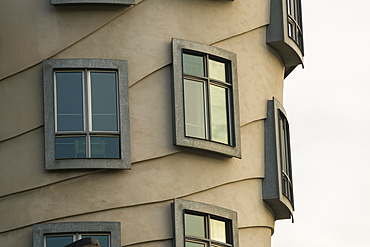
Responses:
[208,81]
[41,231]
[124,162]
[180,207]
[272,185]
[180,139]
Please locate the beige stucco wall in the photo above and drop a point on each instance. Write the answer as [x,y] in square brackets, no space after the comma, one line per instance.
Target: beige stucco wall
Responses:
[140,198]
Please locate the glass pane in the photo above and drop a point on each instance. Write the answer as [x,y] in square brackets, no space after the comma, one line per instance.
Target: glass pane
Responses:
[59,241]
[70,147]
[69,101]
[103,239]
[217,70]
[219,114]
[191,244]
[104,101]
[193,64]
[194,109]
[218,230]
[105,147]
[194,225]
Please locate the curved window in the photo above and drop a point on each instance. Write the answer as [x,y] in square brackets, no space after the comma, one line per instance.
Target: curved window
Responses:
[294,14]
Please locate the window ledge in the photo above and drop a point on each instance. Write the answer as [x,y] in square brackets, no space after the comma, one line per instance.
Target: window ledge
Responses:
[66,2]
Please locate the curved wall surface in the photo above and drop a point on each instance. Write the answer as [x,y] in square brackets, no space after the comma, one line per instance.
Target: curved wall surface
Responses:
[140,198]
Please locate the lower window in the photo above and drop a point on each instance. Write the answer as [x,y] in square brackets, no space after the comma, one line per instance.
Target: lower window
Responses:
[200,225]
[61,234]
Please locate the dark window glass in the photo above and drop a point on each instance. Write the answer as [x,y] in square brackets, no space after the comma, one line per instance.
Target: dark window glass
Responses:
[70,147]
[104,101]
[103,239]
[69,101]
[59,241]
[194,109]
[105,147]
[193,65]
[195,225]
[218,98]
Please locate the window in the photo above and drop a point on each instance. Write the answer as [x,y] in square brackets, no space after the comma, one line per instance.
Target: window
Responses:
[62,234]
[201,225]
[285,32]
[123,2]
[277,184]
[206,107]
[295,21]
[86,114]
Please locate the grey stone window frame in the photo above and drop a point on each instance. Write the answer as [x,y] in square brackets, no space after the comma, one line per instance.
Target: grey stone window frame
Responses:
[111,228]
[120,66]
[180,207]
[281,202]
[70,2]
[290,48]
[234,148]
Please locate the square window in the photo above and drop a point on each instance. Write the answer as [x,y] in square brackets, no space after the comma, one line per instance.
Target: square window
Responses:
[86,114]
[198,224]
[205,98]
[277,184]
[61,234]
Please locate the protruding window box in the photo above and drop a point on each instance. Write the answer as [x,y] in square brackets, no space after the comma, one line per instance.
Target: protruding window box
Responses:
[277,186]
[205,98]
[68,2]
[285,32]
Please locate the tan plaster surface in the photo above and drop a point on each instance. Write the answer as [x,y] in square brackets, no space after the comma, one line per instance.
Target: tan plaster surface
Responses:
[21,103]
[255,236]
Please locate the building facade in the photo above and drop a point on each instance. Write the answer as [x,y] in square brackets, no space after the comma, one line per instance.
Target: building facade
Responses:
[145,122]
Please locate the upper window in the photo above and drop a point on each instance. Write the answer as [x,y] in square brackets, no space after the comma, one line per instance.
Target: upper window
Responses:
[123,2]
[201,225]
[61,234]
[86,113]
[277,184]
[285,33]
[205,98]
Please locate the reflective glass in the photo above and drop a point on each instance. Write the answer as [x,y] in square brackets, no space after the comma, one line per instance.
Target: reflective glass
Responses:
[219,114]
[218,230]
[193,64]
[69,101]
[70,147]
[191,244]
[194,225]
[58,241]
[103,239]
[194,109]
[217,70]
[105,147]
[104,101]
